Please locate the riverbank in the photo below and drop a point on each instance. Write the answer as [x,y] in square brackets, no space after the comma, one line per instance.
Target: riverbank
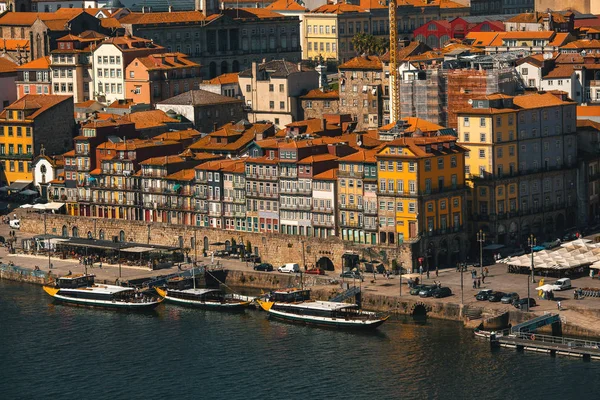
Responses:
[324,287]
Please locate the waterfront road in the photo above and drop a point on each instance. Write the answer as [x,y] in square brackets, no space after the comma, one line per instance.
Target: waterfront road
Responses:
[583,312]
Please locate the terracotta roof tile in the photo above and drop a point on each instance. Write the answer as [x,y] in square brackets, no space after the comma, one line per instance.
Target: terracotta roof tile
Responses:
[149,119]
[183,175]
[14,44]
[166,61]
[151,18]
[7,66]
[340,8]
[560,71]
[225,79]
[251,13]
[588,111]
[318,94]
[329,175]
[38,102]
[38,63]
[179,135]
[285,5]
[363,62]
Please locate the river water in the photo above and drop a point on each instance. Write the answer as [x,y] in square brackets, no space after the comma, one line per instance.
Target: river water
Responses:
[56,351]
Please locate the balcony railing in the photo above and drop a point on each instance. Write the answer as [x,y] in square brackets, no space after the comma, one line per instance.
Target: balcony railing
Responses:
[263,177]
[16,156]
[347,206]
[327,223]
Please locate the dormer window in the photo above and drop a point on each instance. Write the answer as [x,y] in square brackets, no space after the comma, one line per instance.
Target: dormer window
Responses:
[440,147]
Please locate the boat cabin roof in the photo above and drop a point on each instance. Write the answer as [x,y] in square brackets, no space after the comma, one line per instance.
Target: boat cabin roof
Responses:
[323,305]
[103,289]
[290,291]
[197,291]
[76,276]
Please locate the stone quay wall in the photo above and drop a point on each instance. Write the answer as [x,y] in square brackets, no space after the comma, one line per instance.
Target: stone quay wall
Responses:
[275,248]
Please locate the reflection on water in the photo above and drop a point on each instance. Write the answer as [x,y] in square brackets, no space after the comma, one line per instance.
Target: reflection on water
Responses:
[60,351]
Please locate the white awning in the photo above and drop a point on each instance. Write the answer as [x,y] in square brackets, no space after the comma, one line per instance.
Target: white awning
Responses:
[137,249]
[53,206]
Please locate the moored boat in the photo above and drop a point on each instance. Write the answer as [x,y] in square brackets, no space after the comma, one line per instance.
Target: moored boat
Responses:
[212,299]
[324,313]
[81,290]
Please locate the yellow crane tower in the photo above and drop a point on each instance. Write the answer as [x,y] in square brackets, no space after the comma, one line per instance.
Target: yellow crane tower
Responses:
[395,93]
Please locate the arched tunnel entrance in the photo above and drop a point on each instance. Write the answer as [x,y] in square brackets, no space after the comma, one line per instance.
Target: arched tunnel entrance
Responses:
[325,264]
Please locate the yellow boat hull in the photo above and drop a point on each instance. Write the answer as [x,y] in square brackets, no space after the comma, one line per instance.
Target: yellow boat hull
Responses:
[161,292]
[50,290]
[265,305]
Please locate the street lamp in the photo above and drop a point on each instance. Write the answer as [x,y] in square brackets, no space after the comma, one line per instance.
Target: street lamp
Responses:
[531,241]
[481,240]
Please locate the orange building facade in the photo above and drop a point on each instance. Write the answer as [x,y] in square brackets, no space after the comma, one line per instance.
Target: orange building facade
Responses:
[158,77]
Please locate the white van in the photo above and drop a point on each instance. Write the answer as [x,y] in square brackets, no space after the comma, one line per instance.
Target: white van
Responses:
[15,223]
[563,284]
[289,268]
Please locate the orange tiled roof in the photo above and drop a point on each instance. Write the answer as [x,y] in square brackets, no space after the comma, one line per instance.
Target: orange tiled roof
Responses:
[588,111]
[583,44]
[137,18]
[14,44]
[7,66]
[183,175]
[361,156]
[560,71]
[38,102]
[318,158]
[179,135]
[318,94]
[166,61]
[38,63]
[110,23]
[559,39]
[485,39]
[536,18]
[536,100]
[529,35]
[340,8]
[286,5]
[149,119]
[329,175]
[363,62]
[225,79]
[163,160]
[251,13]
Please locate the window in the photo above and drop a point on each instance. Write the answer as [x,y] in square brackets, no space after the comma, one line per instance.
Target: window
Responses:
[271,104]
[248,88]
[482,122]
[282,105]
[131,74]
[427,165]
[271,87]
[281,87]
[481,153]
[466,122]
[440,163]
[482,137]
[467,136]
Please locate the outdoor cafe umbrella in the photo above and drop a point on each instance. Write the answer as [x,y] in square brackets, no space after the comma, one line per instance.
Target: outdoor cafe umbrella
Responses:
[39,207]
[26,206]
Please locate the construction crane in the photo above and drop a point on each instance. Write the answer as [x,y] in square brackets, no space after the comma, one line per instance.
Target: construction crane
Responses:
[395,92]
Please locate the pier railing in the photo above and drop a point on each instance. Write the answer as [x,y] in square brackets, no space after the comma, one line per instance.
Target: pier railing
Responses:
[570,342]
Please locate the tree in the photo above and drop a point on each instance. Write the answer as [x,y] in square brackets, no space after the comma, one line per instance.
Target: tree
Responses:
[248,247]
[370,45]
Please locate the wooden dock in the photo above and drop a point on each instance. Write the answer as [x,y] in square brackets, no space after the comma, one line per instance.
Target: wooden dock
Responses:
[553,345]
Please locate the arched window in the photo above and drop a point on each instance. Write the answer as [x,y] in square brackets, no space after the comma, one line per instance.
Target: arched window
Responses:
[89,235]
[101,234]
[121,236]
[75,232]
[65,232]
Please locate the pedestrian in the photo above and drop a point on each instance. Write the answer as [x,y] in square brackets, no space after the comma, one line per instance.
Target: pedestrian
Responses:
[474,284]
[558,304]
[487,271]
[436,272]
[421,269]
[478,283]
[483,278]
[427,273]
[100,265]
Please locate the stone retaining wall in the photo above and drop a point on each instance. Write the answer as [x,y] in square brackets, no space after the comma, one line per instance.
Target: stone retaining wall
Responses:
[274,248]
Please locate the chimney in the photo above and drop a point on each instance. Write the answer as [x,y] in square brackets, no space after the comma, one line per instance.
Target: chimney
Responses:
[323,124]
[299,67]
[254,70]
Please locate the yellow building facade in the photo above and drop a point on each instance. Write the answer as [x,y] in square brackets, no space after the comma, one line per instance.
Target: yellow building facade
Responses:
[421,195]
[31,123]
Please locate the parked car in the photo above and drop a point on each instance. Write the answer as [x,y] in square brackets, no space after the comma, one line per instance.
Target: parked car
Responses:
[289,268]
[522,303]
[315,271]
[263,267]
[569,236]
[351,275]
[563,284]
[427,291]
[484,294]
[442,292]
[414,291]
[495,297]
[509,298]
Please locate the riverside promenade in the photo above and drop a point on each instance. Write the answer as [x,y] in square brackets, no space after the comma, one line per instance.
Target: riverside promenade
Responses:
[583,314]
